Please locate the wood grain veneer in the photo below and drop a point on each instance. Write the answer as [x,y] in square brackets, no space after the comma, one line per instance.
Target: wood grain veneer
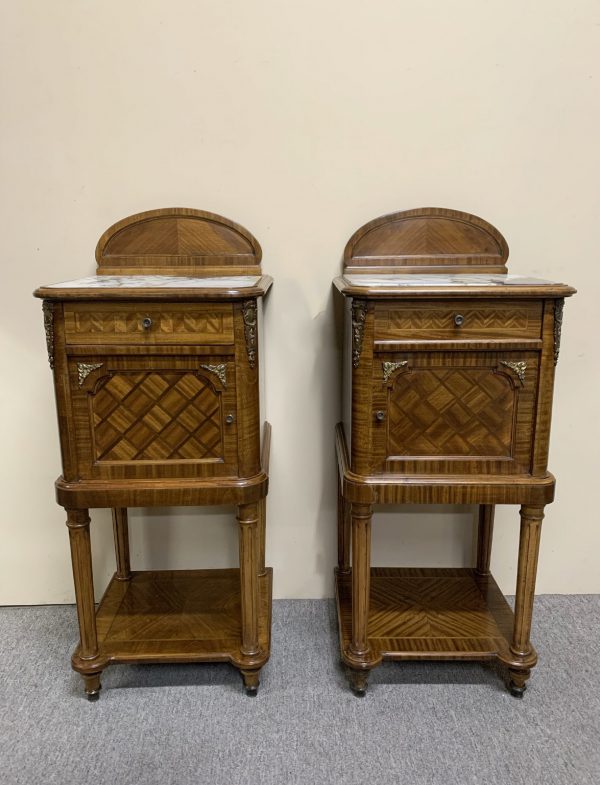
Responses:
[448,400]
[157,391]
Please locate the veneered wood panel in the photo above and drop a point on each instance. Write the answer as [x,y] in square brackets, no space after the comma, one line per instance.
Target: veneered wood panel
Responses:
[154,417]
[483,319]
[459,412]
[425,239]
[424,613]
[176,241]
[179,616]
[124,323]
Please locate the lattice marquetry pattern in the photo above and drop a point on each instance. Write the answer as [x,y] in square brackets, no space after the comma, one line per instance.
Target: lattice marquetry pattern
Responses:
[450,411]
[157,415]
[168,322]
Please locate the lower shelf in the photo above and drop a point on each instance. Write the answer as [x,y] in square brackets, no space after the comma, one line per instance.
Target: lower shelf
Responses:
[180,616]
[432,614]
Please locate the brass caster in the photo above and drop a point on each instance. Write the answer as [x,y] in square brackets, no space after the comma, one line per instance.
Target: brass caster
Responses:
[92,686]
[358,682]
[516,692]
[517,681]
[251,682]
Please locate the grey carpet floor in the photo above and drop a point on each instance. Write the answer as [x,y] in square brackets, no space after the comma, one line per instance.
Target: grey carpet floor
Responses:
[432,723]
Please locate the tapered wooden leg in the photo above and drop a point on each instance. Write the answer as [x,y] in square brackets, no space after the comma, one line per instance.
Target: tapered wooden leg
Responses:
[485,533]
[248,530]
[121,535]
[262,534]
[529,545]
[343,533]
[78,523]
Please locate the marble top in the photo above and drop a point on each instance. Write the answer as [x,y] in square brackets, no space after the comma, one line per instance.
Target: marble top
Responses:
[158,282]
[435,279]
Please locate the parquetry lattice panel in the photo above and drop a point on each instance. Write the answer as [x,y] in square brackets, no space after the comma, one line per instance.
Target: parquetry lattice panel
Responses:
[451,411]
[156,416]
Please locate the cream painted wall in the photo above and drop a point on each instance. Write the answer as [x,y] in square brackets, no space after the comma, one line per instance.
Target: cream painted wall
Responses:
[301,120]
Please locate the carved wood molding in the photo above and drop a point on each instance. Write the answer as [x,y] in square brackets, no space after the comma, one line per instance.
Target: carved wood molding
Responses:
[48,310]
[250,322]
[390,367]
[558,317]
[220,371]
[85,369]
[359,315]
[519,368]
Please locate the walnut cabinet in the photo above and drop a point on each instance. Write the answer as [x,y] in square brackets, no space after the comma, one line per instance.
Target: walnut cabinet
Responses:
[157,380]
[448,380]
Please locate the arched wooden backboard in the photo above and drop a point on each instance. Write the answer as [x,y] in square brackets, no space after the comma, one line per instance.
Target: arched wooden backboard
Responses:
[427,240]
[177,241]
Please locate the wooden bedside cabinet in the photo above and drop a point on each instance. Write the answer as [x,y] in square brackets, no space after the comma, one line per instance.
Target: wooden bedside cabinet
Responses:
[449,372]
[156,373]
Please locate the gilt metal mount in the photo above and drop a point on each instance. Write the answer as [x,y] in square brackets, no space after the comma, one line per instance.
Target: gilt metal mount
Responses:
[48,310]
[220,371]
[519,368]
[389,368]
[85,369]
[558,317]
[359,315]
[250,320]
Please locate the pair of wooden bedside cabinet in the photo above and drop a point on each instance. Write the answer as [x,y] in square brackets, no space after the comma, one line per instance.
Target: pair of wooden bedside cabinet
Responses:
[448,380]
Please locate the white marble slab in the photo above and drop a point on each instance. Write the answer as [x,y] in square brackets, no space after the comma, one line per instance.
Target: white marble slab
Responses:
[438,279]
[157,282]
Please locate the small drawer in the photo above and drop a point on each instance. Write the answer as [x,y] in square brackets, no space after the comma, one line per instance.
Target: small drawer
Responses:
[458,319]
[148,324]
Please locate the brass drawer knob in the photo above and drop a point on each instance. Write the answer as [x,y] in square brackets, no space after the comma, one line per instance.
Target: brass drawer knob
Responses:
[229,419]
[380,415]
[146,323]
[459,320]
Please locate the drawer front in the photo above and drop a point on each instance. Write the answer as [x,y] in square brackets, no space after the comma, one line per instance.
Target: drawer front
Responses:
[148,324]
[458,320]
[149,417]
[454,412]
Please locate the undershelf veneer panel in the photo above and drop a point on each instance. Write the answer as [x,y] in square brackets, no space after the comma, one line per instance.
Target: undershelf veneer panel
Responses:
[178,616]
[419,613]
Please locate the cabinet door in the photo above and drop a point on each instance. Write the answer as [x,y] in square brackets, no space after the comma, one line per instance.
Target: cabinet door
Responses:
[154,416]
[463,412]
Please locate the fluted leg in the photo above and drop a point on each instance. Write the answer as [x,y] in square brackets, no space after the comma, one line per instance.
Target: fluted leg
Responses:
[484,538]
[361,586]
[529,545]
[248,530]
[262,533]
[121,535]
[78,523]
[344,533]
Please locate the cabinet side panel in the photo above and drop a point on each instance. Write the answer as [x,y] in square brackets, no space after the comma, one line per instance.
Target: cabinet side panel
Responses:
[64,404]
[261,365]
[247,361]
[347,372]
[543,419]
